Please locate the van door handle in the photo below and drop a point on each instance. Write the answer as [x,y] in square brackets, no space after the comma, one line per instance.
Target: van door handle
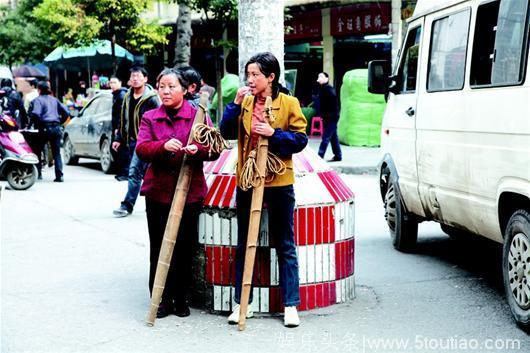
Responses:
[410,111]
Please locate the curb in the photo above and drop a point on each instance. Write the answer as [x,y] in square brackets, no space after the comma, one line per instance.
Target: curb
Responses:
[357,170]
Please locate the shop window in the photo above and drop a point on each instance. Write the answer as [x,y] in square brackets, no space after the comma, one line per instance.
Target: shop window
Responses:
[501,39]
[447,59]
[409,64]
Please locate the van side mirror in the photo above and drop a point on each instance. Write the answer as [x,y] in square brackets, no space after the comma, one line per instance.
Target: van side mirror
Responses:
[378,76]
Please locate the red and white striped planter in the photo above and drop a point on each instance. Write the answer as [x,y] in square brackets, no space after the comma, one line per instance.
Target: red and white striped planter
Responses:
[324,234]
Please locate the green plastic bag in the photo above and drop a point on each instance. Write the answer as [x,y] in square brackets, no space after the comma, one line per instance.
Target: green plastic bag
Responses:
[361,112]
[229,86]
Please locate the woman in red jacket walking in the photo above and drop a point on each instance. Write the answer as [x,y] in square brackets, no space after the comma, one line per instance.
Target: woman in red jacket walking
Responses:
[161,142]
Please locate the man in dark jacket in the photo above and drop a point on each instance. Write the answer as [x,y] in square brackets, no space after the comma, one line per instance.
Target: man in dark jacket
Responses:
[122,154]
[138,99]
[48,114]
[327,108]
[12,103]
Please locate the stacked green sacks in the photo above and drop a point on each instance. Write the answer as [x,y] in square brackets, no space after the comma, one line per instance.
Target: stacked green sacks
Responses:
[361,112]
[229,86]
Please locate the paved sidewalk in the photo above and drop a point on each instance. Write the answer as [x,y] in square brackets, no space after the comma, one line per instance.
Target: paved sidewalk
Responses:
[355,160]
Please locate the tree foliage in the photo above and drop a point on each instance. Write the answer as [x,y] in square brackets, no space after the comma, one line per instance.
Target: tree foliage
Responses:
[21,40]
[81,22]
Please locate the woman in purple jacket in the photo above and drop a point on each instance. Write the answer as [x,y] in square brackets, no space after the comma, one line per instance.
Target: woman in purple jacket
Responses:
[162,142]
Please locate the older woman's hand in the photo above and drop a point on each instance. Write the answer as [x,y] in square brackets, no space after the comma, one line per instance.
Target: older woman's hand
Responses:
[173,145]
[190,149]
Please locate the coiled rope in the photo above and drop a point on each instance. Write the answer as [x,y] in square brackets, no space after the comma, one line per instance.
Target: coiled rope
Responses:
[250,176]
[209,137]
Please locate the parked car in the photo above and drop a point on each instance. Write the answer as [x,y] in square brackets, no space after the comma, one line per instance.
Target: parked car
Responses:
[456,131]
[89,134]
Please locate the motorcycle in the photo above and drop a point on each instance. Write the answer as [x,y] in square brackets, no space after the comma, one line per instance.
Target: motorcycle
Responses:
[18,163]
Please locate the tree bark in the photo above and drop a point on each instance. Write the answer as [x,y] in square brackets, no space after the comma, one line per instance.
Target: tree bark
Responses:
[184,33]
[267,16]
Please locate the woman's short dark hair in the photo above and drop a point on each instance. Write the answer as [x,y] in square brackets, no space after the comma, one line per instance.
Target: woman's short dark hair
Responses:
[175,72]
[43,87]
[268,64]
[191,75]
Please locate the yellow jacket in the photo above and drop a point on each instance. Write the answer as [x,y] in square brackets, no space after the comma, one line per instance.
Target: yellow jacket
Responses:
[290,135]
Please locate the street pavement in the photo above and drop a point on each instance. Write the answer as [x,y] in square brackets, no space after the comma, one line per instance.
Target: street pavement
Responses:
[355,159]
[74,279]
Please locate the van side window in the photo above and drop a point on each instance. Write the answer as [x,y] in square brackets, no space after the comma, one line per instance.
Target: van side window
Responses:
[408,70]
[447,60]
[501,39]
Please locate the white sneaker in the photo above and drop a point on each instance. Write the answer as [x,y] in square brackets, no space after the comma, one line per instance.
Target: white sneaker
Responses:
[234,317]
[290,317]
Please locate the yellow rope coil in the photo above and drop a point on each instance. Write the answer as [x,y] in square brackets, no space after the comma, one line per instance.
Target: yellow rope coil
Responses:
[209,137]
[250,176]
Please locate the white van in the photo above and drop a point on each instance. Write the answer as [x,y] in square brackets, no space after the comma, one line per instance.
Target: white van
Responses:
[456,131]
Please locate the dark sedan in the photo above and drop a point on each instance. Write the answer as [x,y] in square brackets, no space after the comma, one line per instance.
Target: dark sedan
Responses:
[89,134]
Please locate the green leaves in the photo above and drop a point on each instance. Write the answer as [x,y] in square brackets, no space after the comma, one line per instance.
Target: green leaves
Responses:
[145,36]
[21,40]
[67,23]
[80,22]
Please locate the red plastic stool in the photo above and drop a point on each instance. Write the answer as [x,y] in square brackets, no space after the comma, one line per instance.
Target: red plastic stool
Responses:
[317,126]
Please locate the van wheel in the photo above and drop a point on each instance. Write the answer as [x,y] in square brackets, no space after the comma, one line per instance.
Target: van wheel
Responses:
[516,267]
[403,227]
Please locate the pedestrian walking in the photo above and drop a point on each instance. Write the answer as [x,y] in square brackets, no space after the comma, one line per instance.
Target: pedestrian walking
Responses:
[139,99]
[161,143]
[48,114]
[122,154]
[12,103]
[327,107]
[243,119]
[32,94]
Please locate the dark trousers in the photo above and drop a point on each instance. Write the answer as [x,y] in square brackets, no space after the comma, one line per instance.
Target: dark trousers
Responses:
[280,207]
[123,159]
[179,276]
[330,135]
[52,134]
[137,169]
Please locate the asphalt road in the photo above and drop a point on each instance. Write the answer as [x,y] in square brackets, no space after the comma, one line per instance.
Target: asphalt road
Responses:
[74,279]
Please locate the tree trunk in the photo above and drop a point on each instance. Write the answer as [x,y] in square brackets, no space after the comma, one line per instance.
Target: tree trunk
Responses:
[113,51]
[184,33]
[219,73]
[267,16]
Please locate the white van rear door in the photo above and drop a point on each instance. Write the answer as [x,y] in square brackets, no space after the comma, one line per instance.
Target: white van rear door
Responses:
[399,127]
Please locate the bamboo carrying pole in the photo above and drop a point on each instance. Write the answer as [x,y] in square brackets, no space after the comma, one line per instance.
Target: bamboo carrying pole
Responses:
[173,221]
[255,216]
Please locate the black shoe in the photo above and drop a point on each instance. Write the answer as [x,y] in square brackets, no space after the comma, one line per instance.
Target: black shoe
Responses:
[164,309]
[59,180]
[121,177]
[335,159]
[181,309]
[39,177]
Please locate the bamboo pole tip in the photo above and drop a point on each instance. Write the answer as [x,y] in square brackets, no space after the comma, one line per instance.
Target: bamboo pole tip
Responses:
[241,327]
[150,324]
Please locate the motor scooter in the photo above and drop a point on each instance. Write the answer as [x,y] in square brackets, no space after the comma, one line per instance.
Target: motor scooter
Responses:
[18,163]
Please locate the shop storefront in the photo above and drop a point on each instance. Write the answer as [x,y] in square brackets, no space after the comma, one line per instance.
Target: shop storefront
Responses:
[334,39]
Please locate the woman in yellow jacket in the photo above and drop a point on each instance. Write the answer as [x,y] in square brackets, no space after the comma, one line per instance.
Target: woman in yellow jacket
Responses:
[244,119]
